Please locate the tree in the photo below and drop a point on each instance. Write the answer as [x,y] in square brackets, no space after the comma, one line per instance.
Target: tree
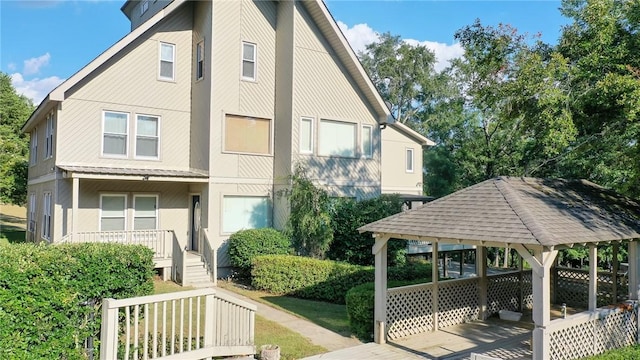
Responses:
[401,72]
[14,145]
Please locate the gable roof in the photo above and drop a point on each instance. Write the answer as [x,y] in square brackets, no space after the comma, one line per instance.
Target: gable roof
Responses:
[317,10]
[412,134]
[529,211]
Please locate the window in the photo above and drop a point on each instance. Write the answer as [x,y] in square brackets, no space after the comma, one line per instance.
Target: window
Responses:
[33,152]
[46,216]
[144,6]
[147,136]
[48,149]
[306,135]
[249,61]
[113,209]
[200,60]
[247,134]
[32,213]
[115,132]
[167,61]
[409,160]
[367,141]
[145,212]
[245,212]
[337,138]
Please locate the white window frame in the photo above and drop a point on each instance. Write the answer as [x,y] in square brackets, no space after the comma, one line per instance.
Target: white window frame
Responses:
[144,6]
[33,148]
[46,215]
[200,60]
[409,166]
[367,153]
[111,217]
[157,137]
[254,61]
[224,230]
[126,142]
[172,61]
[311,135]
[50,128]
[322,136]
[31,225]
[135,197]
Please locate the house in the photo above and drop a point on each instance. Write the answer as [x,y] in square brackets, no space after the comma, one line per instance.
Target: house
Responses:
[187,129]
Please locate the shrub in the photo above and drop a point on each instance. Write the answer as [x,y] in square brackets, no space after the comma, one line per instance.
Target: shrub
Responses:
[355,248]
[43,288]
[244,245]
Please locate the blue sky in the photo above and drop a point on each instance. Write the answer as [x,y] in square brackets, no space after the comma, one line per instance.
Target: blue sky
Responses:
[43,42]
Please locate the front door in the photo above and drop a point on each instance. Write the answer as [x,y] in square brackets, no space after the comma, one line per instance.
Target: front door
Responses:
[195,222]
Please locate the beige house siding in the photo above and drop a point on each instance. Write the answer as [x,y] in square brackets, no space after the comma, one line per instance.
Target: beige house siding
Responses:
[137,17]
[395,178]
[43,166]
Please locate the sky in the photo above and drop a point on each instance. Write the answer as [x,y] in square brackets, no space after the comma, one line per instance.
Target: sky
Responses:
[43,42]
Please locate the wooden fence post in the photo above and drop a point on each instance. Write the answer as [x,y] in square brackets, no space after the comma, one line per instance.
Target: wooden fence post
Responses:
[109,331]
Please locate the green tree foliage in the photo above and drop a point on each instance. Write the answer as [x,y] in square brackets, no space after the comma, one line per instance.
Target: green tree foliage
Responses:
[355,248]
[401,72]
[14,111]
[309,225]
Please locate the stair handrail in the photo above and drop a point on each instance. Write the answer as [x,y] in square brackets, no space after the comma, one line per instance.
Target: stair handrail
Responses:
[209,256]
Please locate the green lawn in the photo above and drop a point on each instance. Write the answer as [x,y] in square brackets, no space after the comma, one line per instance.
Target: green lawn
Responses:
[12,224]
[631,352]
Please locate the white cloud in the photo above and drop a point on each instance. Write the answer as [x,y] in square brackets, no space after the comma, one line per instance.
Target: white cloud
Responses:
[361,35]
[11,67]
[35,89]
[33,65]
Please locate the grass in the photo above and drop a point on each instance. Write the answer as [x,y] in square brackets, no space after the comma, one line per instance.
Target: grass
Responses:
[631,352]
[328,315]
[12,224]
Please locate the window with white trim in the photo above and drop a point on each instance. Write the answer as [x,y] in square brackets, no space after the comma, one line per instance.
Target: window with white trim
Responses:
[249,62]
[145,212]
[245,134]
[306,135]
[48,148]
[115,133]
[33,151]
[167,61]
[32,213]
[147,136]
[144,6]
[409,160]
[337,138]
[113,212]
[245,212]
[200,60]
[46,215]
[367,141]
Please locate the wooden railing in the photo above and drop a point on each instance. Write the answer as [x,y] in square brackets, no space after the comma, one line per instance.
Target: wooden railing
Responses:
[209,255]
[160,241]
[185,325]
[179,260]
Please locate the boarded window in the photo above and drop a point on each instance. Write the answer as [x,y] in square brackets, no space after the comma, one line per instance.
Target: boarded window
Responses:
[247,134]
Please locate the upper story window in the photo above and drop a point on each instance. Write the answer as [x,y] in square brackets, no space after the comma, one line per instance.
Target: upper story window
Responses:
[46,216]
[409,160]
[33,148]
[115,133]
[306,135]
[200,60]
[367,141]
[167,61]
[249,63]
[144,6]
[147,136]
[48,149]
[337,138]
[246,134]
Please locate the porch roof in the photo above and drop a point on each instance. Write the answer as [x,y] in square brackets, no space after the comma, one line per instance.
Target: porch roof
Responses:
[147,174]
[529,211]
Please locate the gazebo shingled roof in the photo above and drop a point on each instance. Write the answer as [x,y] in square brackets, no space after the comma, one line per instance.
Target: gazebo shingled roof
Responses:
[513,210]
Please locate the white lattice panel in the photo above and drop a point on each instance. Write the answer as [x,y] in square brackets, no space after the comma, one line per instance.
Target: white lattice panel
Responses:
[503,293]
[458,302]
[573,342]
[619,329]
[409,310]
[572,287]
[527,290]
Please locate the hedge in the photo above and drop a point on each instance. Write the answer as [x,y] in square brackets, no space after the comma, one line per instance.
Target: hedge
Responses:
[43,289]
[244,245]
[323,280]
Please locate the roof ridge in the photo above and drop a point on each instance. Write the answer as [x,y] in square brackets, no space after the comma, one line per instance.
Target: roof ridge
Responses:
[522,212]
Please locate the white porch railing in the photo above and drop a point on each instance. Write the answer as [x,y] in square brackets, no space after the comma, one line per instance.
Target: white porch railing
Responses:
[160,241]
[209,255]
[185,325]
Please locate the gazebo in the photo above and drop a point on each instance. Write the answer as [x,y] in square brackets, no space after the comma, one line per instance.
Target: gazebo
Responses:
[536,217]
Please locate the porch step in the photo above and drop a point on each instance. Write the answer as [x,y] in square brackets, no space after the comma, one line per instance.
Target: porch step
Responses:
[196,273]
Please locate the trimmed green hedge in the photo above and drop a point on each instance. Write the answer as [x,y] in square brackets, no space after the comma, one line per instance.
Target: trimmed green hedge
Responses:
[323,280]
[244,245]
[42,289]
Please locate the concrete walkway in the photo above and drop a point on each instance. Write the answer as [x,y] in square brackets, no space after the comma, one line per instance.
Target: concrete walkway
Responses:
[316,334]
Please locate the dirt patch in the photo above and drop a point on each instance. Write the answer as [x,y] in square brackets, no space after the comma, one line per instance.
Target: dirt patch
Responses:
[13,217]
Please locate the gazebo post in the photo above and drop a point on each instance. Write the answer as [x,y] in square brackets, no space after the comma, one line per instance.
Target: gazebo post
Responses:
[614,270]
[634,279]
[380,302]
[593,277]
[435,274]
[481,271]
